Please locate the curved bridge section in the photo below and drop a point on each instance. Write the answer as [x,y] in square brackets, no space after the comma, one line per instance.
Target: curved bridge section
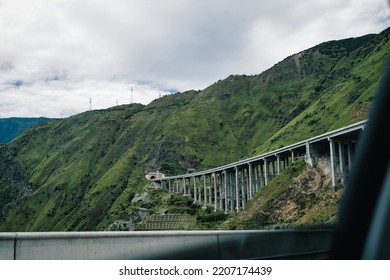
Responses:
[230,187]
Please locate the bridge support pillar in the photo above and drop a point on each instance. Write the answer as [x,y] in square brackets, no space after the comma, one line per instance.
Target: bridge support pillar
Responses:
[332,162]
[243,188]
[285,163]
[215,191]
[205,192]
[308,157]
[221,191]
[210,201]
[279,165]
[250,180]
[232,193]
[256,175]
[342,163]
[195,192]
[261,175]
[266,172]
[237,192]
[225,188]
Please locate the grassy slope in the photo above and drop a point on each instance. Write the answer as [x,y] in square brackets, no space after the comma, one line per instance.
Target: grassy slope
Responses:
[85,169]
[336,97]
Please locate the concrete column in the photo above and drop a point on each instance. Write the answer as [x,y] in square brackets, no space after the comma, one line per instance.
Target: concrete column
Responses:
[184,186]
[266,179]
[198,189]
[247,185]
[243,196]
[256,171]
[169,185]
[285,163]
[349,151]
[215,191]
[210,190]
[278,163]
[308,158]
[220,193]
[254,178]
[230,190]
[250,179]
[342,163]
[177,185]
[225,188]
[332,162]
[195,192]
[292,156]
[205,190]
[272,164]
[261,175]
[237,192]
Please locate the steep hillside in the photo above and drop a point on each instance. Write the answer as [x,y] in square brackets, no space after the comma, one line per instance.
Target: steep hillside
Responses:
[81,173]
[10,128]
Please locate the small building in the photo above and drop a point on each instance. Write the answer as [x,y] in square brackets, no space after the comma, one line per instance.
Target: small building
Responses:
[154,175]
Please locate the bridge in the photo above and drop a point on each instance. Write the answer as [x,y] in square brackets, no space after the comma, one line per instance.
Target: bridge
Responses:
[229,187]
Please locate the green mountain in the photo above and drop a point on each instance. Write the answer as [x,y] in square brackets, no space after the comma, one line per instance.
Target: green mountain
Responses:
[82,172]
[10,128]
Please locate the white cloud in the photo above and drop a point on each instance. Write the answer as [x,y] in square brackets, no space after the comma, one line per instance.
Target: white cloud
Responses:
[55,55]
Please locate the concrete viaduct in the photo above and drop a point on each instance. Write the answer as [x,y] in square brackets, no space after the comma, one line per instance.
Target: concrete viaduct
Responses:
[229,187]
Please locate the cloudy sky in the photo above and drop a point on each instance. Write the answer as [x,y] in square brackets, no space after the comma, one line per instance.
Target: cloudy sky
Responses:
[56,55]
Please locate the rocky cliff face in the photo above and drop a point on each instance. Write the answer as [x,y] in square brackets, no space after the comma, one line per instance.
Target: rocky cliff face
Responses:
[306,200]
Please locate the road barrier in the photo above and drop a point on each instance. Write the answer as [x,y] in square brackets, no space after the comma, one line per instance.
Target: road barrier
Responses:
[148,245]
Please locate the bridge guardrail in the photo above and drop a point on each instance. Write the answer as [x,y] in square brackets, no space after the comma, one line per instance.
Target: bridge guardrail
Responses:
[224,245]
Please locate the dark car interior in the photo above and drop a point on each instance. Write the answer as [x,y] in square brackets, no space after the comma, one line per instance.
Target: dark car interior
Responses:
[364,219]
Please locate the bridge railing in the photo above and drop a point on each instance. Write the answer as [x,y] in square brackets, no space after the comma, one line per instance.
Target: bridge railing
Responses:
[271,244]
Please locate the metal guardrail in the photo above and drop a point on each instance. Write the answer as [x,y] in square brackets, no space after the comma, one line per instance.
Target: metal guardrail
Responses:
[212,245]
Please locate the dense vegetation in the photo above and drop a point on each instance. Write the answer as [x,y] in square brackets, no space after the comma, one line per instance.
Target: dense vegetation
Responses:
[82,172]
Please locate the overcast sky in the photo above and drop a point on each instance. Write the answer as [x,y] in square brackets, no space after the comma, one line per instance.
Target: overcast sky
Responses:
[57,54]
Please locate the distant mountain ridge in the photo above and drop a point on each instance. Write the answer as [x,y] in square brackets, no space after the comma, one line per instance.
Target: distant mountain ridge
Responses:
[82,172]
[10,128]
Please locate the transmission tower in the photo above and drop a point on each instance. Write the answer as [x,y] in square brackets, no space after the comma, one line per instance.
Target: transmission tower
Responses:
[90,104]
[131,95]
